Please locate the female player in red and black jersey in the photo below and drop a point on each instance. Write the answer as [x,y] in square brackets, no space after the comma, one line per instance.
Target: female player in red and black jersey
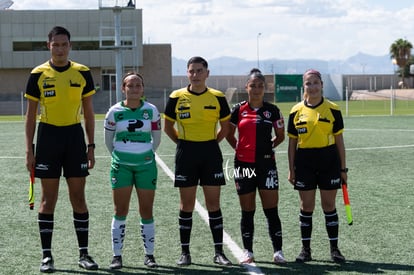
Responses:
[255,164]
[316,156]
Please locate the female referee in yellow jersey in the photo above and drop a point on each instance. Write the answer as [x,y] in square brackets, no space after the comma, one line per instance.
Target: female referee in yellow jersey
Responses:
[316,154]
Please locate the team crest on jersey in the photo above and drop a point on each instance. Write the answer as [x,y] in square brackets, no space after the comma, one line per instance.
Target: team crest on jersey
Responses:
[50,93]
[145,114]
[244,113]
[267,114]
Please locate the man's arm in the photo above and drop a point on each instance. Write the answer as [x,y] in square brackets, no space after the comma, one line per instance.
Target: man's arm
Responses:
[170,130]
[89,120]
[30,128]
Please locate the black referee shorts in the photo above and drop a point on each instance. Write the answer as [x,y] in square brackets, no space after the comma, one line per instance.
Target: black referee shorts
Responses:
[317,167]
[198,163]
[61,147]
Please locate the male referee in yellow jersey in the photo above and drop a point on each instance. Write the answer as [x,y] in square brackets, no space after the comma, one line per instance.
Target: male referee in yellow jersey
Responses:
[62,88]
[197,110]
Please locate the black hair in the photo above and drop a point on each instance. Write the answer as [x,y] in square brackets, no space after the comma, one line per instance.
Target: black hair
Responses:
[256,73]
[132,73]
[57,30]
[197,59]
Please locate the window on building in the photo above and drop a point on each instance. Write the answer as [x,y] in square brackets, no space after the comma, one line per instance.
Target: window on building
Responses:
[19,46]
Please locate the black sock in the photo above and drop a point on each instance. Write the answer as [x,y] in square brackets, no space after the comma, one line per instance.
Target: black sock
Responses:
[274,227]
[305,219]
[81,223]
[216,227]
[185,222]
[46,222]
[247,229]
[332,225]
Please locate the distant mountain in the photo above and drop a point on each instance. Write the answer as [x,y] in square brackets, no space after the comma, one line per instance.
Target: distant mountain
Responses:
[358,64]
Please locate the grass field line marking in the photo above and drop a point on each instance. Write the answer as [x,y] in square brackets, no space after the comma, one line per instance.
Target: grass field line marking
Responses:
[234,248]
[380,147]
[277,152]
[380,130]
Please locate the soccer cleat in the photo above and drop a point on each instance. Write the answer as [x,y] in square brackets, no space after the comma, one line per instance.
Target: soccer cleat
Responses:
[149,261]
[336,255]
[185,259]
[279,258]
[116,262]
[304,255]
[86,262]
[221,259]
[248,257]
[46,266]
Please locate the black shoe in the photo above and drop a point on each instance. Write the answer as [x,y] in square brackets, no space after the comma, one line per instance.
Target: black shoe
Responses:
[304,255]
[46,266]
[116,262]
[336,256]
[221,259]
[149,261]
[185,259]
[86,262]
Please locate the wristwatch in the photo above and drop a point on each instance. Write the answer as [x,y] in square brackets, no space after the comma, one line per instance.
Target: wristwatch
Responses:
[91,145]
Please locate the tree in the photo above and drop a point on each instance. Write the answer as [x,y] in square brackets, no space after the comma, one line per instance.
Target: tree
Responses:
[400,52]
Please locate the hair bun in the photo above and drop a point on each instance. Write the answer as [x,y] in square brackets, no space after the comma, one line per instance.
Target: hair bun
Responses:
[255,71]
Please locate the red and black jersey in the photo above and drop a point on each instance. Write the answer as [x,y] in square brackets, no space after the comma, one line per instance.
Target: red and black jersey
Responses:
[255,127]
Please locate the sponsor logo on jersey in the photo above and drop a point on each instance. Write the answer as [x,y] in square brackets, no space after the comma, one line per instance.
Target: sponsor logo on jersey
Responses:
[134,124]
[302,130]
[50,93]
[184,115]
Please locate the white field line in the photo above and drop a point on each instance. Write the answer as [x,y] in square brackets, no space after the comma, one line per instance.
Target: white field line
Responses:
[234,248]
[278,152]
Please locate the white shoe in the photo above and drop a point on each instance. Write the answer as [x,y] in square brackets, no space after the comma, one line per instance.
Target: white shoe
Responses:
[248,257]
[278,257]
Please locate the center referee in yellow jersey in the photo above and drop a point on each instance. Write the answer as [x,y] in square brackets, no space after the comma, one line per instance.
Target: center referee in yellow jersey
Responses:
[316,154]
[63,89]
[197,110]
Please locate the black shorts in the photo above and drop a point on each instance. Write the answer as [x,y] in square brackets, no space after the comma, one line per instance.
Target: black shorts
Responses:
[261,175]
[198,163]
[61,147]
[319,167]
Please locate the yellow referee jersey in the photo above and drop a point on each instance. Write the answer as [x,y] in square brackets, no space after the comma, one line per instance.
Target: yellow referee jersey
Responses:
[60,90]
[315,126]
[197,115]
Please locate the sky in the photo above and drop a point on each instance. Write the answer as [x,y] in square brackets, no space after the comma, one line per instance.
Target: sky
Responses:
[264,29]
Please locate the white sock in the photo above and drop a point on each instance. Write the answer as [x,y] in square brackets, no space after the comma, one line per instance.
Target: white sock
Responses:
[118,235]
[148,237]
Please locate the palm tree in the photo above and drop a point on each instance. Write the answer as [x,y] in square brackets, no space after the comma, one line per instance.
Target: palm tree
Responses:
[400,52]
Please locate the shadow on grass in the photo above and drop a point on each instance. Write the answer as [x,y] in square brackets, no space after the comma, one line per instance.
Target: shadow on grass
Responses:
[327,267]
[314,267]
[163,269]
